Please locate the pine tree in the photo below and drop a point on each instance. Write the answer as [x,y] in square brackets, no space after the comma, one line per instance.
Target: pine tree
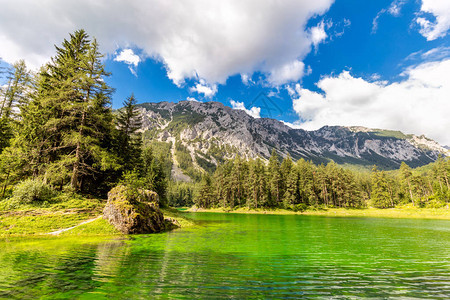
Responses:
[68,123]
[130,141]
[406,180]
[274,179]
[380,196]
[205,194]
[291,195]
[153,174]
[256,185]
[285,170]
[12,97]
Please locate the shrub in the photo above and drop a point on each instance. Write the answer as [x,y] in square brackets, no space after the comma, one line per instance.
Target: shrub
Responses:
[435,204]
[32,190]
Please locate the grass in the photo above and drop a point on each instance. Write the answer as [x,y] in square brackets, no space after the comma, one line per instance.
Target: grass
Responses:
[39,223]
[98,227]
[181,220]
[412,213]
[64,211]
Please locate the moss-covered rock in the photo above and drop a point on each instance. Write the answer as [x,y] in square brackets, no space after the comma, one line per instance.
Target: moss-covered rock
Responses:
[134,212]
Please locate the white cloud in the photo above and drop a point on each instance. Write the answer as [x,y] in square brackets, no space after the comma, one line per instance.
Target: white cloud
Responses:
[341,26]
[394,9]
[193,38]
[132,60]
[192,99]
[203,88]
[246,79]
[294,125]
[440,9]
[419,104]
[318,34]
[254,111]
[434,54]
[289,72]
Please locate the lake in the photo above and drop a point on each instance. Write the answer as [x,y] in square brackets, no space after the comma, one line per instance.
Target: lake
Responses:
[239,256]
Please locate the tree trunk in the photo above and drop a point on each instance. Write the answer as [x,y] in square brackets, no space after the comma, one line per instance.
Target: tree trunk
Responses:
[75,182]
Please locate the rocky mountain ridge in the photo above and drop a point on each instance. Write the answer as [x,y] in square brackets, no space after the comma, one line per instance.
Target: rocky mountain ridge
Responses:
[211,132]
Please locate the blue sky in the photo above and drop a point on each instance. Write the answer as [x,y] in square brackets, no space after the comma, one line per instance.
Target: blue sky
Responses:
[379,64]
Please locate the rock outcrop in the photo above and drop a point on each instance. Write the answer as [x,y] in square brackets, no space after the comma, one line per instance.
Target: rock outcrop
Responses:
[134,212]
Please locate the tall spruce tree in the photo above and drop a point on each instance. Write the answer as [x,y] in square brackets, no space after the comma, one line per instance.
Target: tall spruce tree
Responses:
[130,141]
[68,123]
[274,179]
[12,96]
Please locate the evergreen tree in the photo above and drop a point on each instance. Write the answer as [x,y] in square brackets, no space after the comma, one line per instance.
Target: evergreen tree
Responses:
[237,182]
[405,180]
[153,174]
[205,194]
[291,195]
[381,196]
[130,141]
[11,98]
[274,179]
[257,193]
[74,115]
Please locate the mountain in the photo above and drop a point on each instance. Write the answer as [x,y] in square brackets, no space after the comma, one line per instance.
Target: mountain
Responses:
[204,134]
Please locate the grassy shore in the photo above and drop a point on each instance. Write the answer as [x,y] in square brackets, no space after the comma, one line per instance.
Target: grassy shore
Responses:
[403,212]
[83,214]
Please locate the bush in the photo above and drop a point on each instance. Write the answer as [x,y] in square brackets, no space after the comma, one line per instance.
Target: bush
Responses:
[435,204]
[32,190]
[300,207]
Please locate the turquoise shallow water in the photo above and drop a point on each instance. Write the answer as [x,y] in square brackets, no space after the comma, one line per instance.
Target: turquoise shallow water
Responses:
[239,256]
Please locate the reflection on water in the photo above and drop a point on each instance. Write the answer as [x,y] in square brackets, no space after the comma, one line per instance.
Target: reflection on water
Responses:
[239,256]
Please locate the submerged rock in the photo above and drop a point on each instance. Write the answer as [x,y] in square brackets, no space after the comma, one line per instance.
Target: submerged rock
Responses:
[134,211]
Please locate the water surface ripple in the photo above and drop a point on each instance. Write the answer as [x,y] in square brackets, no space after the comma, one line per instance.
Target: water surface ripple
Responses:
[239,256]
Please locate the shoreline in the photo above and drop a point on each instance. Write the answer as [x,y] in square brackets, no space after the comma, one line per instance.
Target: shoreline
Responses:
[396,213]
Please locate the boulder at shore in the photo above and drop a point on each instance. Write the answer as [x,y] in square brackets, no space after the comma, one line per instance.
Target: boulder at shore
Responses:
[134,212]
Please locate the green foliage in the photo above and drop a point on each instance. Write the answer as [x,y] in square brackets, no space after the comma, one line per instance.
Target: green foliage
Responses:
[182,120]
[185,162]
[205,164]
[130,141]
[97,227]
[181,194]
[382,195]
[32,190]
[205,194]
[301,185]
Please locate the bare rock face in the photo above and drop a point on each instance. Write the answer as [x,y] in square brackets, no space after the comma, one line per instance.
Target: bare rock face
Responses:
[212,133]
[133,213]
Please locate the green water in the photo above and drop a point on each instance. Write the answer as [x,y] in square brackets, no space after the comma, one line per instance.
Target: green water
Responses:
[239,256]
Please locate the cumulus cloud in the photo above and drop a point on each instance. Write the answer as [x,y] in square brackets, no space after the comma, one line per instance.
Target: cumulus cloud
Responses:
[318,33]
[132,60]
[193,38]
[203,88]
[433,29]
[289,72]
[254,111]
[419,104]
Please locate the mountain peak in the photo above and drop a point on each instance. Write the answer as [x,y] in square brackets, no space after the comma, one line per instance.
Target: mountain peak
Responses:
[211,132]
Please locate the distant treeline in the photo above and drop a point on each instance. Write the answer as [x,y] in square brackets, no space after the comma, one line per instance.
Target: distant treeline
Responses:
[298,185]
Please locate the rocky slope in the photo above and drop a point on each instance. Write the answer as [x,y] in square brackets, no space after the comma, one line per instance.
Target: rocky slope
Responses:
[208,133]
